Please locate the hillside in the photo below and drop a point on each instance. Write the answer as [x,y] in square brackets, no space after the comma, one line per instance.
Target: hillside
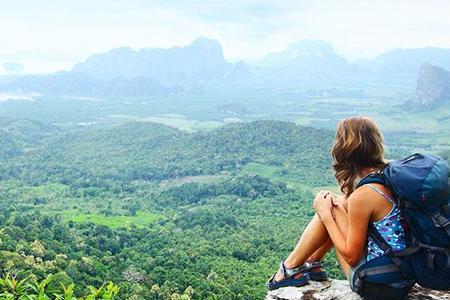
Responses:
[18,135]
[204,214]
[8,145]
[121,152]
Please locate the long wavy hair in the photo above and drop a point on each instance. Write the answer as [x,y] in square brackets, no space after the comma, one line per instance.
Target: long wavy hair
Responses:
[358,146]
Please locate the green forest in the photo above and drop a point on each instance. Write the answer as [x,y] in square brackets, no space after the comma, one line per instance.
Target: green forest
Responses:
[141,210]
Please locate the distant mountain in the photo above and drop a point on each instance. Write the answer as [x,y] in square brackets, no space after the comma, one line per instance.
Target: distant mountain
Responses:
[309,62]
[200,61]
[125,72]
[306,54]
[313,61]
[433,88]
[410,60]
[80,84]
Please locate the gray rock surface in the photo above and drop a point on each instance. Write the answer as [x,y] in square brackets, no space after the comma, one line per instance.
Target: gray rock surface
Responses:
[340,290]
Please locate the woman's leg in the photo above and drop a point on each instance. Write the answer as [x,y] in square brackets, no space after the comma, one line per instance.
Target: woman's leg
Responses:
[317,231]
[320,253]
[341,217]
[313,240]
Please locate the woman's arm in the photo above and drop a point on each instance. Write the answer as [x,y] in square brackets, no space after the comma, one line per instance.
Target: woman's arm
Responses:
[349,244]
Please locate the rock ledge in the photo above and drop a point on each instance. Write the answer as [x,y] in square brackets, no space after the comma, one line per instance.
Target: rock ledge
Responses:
[340,290]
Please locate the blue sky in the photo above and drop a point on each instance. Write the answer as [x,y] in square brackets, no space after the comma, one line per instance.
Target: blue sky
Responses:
[49,35]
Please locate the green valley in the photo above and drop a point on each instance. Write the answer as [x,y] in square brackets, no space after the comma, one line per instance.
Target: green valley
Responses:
[161,212]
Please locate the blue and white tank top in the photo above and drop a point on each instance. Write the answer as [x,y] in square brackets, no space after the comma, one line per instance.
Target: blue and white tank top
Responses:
[390,228]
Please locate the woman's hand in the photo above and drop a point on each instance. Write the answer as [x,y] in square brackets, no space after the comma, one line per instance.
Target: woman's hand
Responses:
[323,204]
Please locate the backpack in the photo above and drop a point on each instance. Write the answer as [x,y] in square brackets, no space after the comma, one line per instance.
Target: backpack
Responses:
[421,187]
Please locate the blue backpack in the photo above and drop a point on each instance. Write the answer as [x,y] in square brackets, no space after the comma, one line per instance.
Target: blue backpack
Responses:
[420,184]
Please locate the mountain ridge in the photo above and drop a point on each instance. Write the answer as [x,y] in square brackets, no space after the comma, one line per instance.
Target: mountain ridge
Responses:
[310,48]
[199,61]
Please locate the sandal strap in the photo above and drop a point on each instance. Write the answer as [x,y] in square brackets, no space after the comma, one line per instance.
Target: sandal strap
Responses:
[288,273]
[315,264]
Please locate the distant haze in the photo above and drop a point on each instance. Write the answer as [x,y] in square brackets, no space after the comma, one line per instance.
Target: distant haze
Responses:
[49,35]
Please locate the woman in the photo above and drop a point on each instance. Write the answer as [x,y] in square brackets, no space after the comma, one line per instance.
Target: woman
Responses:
[342,222]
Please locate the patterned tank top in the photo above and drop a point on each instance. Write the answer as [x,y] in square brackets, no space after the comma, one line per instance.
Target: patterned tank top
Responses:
[390,228]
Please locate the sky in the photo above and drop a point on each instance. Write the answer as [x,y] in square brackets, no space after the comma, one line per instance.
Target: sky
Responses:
[49,35]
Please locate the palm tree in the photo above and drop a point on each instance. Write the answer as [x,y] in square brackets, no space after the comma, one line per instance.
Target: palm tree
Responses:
[11,288]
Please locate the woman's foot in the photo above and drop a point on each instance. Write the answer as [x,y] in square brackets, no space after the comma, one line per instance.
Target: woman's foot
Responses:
[315,270]
[288,277]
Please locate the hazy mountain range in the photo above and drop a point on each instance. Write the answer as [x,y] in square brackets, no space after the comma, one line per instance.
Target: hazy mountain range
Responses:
[200,61]
[154,71]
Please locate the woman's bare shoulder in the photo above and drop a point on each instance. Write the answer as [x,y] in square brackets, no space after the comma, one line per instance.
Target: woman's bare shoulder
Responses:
[362,195]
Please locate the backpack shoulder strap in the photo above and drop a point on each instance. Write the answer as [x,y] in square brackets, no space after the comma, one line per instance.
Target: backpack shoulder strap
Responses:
[376,177]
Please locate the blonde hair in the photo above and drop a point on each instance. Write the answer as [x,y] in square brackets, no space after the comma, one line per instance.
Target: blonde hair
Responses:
[358,145]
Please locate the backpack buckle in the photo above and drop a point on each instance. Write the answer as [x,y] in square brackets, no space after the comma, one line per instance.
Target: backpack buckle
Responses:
[388,252]
[440,221]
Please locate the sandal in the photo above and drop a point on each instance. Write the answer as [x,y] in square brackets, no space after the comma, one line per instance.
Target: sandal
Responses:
[289,277]
[316,275]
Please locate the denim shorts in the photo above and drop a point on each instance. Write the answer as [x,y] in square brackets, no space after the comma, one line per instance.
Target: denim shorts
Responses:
[351,276]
